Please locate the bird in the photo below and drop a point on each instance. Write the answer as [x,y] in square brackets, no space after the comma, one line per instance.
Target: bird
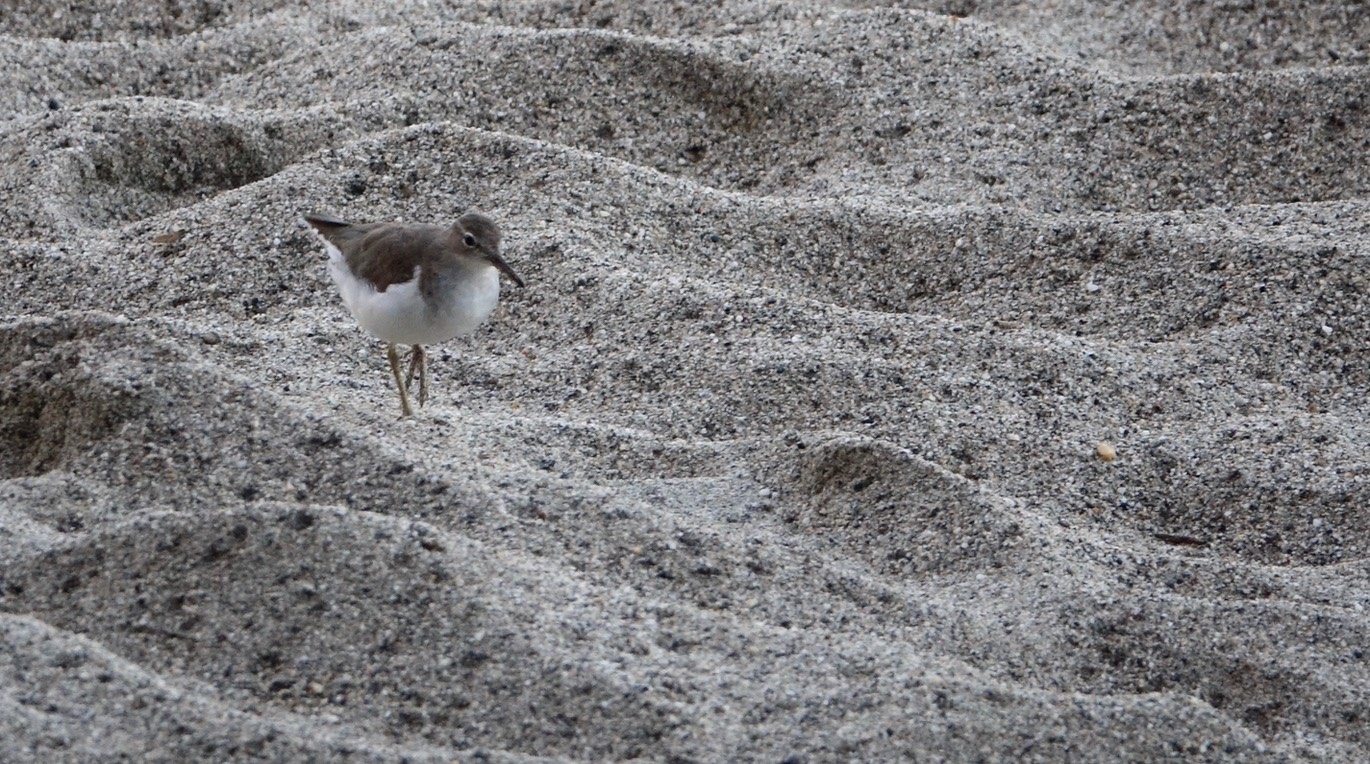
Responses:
[415,284]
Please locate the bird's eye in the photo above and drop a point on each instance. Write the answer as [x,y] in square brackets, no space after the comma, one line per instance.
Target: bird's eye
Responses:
[469,240]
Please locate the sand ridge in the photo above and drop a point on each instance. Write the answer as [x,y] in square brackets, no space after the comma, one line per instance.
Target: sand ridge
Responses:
[789,451]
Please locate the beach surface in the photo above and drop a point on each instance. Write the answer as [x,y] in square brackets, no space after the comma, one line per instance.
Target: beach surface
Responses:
[948,381]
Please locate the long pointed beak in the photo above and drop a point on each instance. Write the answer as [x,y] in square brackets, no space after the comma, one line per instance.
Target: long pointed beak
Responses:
[499,262]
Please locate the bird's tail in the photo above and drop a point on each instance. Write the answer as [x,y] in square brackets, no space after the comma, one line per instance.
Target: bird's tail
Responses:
[323,221]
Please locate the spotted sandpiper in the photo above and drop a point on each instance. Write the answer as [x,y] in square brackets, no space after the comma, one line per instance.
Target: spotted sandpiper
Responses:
[415,284]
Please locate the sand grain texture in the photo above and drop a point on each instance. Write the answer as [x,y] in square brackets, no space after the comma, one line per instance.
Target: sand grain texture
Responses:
[789,451]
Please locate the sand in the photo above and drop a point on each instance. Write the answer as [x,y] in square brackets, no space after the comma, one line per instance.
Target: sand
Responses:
[909,382]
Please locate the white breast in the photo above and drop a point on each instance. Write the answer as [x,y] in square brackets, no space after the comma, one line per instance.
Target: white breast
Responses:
[400,314]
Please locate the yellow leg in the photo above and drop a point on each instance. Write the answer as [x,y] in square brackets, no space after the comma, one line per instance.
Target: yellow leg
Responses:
[418,361]
[423,374]
[394,357]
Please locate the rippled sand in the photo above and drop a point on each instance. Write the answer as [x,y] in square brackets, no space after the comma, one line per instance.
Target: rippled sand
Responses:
[793,449]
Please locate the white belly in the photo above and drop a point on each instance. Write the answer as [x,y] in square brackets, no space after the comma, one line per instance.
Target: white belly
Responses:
[400,314]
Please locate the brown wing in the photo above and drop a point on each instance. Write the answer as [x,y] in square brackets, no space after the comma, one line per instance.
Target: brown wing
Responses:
[388,253]
[380,253]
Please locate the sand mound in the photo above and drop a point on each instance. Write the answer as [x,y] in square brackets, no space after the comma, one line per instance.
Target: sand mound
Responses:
[789,451]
